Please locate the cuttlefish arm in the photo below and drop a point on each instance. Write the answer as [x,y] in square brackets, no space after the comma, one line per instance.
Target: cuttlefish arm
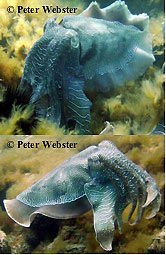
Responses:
[117,182]
[40,81]
[153,201]
[103,199]
[75,101]
[53,78]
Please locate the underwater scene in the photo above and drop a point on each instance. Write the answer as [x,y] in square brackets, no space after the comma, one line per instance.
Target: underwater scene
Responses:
[81,67]
[82,103]
[82,194]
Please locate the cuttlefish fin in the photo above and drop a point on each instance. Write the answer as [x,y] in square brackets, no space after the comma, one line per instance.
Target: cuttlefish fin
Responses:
[93,11]
[102,198]
[24,214]
[19,212]
[117,11]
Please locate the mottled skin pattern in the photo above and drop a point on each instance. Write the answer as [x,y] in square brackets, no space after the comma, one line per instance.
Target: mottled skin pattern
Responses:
[53,78]
[100,178]
[94,51]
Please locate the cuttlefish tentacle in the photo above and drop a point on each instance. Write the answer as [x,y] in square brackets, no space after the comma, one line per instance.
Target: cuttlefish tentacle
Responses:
[100,178]
[120,205]
[102,198]
[153,207]
[153,201]
[128,180]
[152,197]
[127,168]
[152,189]
[100,173]
[76,102]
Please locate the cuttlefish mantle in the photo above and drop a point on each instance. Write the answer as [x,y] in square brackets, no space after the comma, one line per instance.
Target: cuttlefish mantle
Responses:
[100,178]
[96,50]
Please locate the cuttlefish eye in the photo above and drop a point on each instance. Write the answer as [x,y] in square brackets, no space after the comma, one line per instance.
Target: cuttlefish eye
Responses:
[74,39]
[75,42]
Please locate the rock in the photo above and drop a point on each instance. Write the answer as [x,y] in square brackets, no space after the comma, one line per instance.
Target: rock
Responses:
[4,246]
[158,244]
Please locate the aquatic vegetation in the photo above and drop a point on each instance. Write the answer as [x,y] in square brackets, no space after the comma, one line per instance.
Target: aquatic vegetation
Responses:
[95,169]
[44,126]
[10,69]
[124,108]
[13,125]
[156,29]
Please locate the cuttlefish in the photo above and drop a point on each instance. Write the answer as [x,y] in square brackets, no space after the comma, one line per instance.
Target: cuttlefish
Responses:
[100,178]
[94,51]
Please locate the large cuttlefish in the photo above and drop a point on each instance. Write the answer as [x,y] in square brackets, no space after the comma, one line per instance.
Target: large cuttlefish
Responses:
[94,51]
[100,178]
